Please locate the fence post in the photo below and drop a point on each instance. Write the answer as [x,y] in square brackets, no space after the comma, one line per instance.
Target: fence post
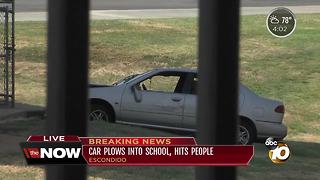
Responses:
[67,77]
[217,112]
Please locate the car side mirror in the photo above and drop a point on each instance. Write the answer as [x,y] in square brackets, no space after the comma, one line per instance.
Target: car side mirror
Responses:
[136,93]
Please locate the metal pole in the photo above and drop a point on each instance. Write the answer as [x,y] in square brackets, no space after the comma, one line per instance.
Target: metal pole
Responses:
[7,51]
[218,80]
[12,54]
[67,77]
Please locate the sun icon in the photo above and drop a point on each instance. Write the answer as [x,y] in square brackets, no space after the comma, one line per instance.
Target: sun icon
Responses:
[274,19]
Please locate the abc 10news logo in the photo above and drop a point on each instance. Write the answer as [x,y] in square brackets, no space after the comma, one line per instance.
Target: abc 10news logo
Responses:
[279,152]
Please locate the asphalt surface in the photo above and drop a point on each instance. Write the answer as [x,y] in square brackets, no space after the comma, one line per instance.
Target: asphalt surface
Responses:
[265,3]
[41,5]
[162,13]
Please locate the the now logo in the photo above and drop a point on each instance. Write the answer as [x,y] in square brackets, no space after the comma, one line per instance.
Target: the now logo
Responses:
[60,152]
[51,153]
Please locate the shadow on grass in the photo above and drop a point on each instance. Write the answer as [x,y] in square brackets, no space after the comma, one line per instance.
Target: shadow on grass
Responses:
[21,111]
[304,161]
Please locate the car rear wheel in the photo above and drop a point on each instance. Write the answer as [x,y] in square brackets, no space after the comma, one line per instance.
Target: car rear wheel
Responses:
[100,113]
[246,135]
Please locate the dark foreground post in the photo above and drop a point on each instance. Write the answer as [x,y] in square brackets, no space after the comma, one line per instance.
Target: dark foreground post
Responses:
[218,80]
[67,77]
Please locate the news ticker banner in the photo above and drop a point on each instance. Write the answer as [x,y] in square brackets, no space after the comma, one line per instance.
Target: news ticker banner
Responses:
[132,151]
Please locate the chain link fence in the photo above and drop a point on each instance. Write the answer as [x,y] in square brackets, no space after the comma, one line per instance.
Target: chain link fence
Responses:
[7,52]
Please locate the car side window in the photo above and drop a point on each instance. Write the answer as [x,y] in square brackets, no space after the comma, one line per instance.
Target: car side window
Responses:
[163,83]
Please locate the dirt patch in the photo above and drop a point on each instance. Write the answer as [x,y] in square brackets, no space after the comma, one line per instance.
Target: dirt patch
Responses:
[306,138]
[12,172]
[31,69]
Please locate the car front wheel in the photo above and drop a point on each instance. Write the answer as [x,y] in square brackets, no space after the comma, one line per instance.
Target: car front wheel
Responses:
[99,113]
[245,134]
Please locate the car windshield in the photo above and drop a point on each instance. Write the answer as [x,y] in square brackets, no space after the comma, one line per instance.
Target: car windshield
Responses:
[126,79]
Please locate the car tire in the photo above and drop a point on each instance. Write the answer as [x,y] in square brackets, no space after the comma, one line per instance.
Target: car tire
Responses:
[246,133]
[100,113]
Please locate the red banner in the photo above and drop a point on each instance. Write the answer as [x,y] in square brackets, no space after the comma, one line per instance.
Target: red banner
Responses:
[167,155]
[132,151]
[137,141]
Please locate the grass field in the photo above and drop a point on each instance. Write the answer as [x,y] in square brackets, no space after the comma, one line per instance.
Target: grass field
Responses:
[285,69]
[302,165]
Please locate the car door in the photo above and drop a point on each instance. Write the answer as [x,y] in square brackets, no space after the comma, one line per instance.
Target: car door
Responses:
[161,100]
[190,107]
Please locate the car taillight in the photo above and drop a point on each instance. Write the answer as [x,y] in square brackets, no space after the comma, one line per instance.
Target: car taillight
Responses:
[279,109]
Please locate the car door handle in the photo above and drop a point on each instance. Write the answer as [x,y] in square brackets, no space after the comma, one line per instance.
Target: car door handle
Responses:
[176,99]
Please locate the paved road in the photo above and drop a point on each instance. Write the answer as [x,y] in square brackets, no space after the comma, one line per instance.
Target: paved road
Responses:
[40,5]
[265,3]
[160,13]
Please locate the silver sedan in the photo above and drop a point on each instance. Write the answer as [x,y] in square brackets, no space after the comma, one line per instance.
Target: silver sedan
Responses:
[166,98]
